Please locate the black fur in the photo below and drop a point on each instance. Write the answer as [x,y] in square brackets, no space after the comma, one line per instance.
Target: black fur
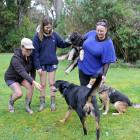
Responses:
[76,98]
[76,40]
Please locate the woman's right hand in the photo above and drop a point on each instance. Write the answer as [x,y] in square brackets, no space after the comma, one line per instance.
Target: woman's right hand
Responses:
[37,85]
[39,71]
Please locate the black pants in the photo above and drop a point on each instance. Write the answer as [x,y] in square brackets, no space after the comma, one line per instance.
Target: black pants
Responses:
[84,79]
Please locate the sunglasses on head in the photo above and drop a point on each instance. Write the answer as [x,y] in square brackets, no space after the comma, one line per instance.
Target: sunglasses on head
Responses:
[101,23]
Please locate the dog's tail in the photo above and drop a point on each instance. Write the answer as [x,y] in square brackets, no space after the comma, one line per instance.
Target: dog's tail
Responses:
[135,105]
[94,88]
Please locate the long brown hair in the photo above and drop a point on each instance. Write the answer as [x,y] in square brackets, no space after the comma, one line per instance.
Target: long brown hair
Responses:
[45,21]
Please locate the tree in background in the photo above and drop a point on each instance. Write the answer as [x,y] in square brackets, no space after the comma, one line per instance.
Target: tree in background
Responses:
[14,23]
[123,17]
[18,18]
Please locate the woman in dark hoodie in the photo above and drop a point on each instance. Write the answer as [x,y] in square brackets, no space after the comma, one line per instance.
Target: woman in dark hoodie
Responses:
[21,72]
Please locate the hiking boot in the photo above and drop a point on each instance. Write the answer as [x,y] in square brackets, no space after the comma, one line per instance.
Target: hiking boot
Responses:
[11,105]
[27,105]
[42,103]
[53,107]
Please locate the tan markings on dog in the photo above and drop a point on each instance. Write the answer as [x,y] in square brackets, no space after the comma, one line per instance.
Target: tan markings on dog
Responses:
[62,57]
[92,81]
[88,107]
[67,115]
[71,66]
[91,96]
[121,107]
[97,125]
[84,125]
[71,54]
[105,101]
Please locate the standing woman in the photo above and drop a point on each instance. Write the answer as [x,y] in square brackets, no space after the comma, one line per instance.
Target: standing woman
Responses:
[46,42]
[21,72]
[98,53]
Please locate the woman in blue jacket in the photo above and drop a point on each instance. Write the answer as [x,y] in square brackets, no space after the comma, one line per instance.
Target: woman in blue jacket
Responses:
[45,60]
[98,53]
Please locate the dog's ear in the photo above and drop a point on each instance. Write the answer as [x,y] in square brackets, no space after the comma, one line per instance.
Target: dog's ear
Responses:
[76,39]
[103,87]
[61,85]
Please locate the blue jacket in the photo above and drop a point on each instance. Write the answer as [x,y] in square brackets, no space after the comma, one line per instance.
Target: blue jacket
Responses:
[96,54]
[45,50]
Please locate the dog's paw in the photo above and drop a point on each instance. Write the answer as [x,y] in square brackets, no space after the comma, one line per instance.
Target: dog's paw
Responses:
[100,108]
[67,72]
[105,113]
[62,121]
[116,114]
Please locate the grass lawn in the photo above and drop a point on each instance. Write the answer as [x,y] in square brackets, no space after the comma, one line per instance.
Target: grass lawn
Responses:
[45,125]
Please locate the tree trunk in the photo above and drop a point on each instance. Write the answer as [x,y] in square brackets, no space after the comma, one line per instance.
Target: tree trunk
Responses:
[58,6]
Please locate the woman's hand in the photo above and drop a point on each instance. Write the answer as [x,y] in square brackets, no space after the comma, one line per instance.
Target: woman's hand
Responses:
[37,85]
[103,78]
[39,71]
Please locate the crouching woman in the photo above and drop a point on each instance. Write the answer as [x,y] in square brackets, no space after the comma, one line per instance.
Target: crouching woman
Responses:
[21,72]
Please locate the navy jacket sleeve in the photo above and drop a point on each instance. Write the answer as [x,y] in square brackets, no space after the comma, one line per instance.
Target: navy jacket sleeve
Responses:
[21,70]
[35,54]
[60,42]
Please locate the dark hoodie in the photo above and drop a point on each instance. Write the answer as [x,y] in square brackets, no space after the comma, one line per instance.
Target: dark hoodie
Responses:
[20,68]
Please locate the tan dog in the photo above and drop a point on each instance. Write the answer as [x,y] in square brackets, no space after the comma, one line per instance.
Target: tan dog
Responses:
[110,95]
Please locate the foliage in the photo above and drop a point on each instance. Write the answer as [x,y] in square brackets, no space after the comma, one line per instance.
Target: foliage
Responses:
[26,30]
[78,15]
[13,23]
[123,18]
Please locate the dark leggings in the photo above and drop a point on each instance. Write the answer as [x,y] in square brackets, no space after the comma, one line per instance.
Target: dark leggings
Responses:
[84,79]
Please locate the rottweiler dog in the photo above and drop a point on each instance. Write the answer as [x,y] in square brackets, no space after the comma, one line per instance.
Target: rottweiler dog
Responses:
[82,100]
[109,95]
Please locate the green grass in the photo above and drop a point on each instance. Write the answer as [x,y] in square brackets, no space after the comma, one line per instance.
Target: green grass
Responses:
[45,125]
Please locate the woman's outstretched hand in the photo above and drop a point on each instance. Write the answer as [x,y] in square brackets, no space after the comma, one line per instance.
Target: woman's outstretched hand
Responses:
[37,85]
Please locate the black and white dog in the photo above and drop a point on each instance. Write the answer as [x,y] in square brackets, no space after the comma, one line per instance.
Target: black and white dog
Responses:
[76,52]
[82,100]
